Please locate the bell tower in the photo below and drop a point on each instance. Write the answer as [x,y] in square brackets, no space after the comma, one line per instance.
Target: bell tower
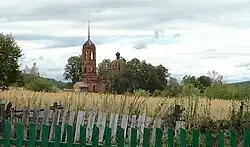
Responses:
[89,59]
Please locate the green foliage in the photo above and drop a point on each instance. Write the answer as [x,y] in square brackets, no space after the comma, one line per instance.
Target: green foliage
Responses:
[141,92]
[144,79]
[205,81]
[221,91]
[73,69]
[10,52]
[173,89]
[242,92]
[41,85]
[189,90]
[30,79]
[35,83]
[132,75]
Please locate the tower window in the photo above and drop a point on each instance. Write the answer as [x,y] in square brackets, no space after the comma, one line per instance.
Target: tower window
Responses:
[86,54]
[93,69]
[85,69]
[91,55]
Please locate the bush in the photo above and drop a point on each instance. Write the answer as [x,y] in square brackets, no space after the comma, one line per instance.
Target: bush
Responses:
[40,85]
[221,91]
[189,90]
[141,92]
[242,93]
[172,90]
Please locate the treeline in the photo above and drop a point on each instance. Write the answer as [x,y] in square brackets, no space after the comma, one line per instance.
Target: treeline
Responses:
[144,79]
[31,80]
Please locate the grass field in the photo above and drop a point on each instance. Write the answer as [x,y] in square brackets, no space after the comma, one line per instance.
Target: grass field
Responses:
[123,104]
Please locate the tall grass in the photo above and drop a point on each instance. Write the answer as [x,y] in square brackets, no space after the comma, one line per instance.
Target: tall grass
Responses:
[123,104]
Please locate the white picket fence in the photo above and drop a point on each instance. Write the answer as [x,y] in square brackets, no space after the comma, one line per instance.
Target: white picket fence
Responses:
[75,118]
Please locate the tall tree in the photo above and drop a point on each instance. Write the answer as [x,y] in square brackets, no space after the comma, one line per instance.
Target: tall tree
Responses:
[215,77]
[173,88]
[34,70]
[187,79]
[73,69]
[205,81]
[31,71]
[10,52]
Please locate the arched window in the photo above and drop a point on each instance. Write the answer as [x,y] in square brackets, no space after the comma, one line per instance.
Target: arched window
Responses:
[117,64]
[94,88]
[93,69]
[86,54]
[85,69]
[91,55]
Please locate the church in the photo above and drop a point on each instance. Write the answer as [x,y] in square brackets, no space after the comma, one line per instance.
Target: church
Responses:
[90,81]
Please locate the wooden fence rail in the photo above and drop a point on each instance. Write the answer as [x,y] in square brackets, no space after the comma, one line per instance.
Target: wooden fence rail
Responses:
[31,141]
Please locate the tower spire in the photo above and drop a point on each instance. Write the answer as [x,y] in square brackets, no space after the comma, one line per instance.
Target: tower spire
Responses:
[88,30]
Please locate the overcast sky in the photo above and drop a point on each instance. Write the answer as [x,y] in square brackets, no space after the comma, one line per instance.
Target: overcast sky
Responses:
[187,36]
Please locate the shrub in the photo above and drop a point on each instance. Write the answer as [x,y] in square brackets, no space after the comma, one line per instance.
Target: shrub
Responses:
[40,85]
[220,91]
[141,92]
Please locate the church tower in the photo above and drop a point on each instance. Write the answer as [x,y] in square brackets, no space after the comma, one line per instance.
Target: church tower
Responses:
[89,80]
[89,60]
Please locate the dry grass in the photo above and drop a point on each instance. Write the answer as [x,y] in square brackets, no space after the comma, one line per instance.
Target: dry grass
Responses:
[118,103]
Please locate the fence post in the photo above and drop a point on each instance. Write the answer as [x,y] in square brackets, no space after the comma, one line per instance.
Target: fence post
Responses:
[2,115]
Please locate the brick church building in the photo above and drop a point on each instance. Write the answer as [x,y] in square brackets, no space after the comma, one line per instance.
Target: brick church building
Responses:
[89,81]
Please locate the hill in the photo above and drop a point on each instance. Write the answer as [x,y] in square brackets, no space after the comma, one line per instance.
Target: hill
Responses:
[243,83]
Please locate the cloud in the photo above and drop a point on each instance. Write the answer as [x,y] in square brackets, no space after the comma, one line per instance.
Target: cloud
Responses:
[189,37]
[158,38]
[142,44]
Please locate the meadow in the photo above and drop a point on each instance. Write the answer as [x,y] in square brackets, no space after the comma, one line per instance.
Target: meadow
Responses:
[122,104]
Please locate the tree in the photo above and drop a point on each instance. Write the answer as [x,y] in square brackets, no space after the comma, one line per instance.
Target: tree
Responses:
[10,52]
[189,89]
[173,88]
[187,79]
[215,77]
[205,81]
[31,71]
[34,70]
[73,69]
[201,82]
[134,75]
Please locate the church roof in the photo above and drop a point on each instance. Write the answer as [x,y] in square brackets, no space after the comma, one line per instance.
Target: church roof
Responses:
[88,43]
[81,84]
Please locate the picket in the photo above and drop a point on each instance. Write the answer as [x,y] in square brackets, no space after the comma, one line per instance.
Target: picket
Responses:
[101,122]
[32,134]
[54,122]
[79,121]
[25,120]
[113,126]
[124,124]
[90,125]
[70,122]
[64,121]
[132,125]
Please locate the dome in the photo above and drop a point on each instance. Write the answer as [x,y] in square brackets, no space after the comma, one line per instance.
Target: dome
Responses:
[117,55]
